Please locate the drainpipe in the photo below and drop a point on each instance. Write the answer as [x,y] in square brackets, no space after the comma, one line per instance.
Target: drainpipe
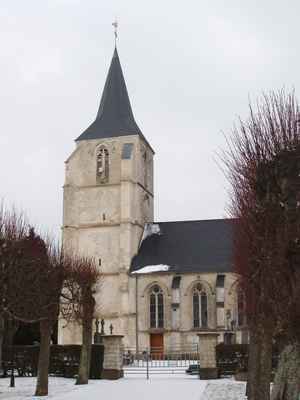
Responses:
[136,316]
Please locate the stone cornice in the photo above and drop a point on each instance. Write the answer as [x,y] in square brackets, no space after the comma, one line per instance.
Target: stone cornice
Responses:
[103,225]
[113,315]
[109,274]
[109,184]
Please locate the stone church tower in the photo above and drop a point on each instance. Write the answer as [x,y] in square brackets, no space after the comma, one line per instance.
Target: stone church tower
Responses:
[108,197]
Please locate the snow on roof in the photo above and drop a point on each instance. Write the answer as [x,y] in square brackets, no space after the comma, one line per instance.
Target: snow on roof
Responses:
[149,230]
[152,268]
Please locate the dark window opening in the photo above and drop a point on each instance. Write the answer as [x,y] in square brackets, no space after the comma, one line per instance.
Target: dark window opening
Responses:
[220,281]
[176,282]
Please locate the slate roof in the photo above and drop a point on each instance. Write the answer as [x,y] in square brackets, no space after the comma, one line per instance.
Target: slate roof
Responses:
[188,246]
[114,117]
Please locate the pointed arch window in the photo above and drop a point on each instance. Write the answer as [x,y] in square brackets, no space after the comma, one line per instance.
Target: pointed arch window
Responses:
[200,312]
[102,172]
[156,307]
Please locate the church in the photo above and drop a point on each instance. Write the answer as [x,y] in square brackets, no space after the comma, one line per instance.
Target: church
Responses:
[162,283]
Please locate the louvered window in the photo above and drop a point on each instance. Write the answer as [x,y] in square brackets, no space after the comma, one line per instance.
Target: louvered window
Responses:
[102,172]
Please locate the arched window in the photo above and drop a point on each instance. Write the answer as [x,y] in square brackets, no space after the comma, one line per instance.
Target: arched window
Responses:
[200,315]
[102,171]
[156,307]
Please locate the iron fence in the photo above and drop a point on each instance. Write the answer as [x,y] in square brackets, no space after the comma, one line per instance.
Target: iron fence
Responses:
[157,360]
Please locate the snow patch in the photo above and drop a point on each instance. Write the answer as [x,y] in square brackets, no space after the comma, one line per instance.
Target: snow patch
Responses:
[152,268]
[149,230]
[225,391]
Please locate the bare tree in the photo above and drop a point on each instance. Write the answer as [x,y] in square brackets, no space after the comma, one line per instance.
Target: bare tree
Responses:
[13,228]
[78,305]
[287,381]
[33,295]
[259,172]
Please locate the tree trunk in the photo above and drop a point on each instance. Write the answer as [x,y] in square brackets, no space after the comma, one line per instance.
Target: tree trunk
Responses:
[44,359]
[287,379]
[11,327]
[263,387]
[86,349]
[253,365]
[260,365]
[1,339]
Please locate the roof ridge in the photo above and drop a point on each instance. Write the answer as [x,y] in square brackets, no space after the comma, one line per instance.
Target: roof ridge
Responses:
[194,220]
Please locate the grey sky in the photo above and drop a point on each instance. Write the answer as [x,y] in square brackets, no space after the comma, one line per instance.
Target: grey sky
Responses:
[189,67]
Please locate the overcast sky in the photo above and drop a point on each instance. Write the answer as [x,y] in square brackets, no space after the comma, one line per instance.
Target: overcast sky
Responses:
[190,67]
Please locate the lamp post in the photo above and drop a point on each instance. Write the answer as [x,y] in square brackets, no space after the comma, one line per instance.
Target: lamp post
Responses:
[12,375]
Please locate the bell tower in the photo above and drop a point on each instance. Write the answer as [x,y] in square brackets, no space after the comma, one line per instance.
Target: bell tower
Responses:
[108,197]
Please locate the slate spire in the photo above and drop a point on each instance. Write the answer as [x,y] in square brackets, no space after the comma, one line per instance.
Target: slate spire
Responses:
[114,117]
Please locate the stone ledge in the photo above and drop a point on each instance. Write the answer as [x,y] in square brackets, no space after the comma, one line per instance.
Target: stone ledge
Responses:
[208,333]
[241,376]
[208,373]
[112,374]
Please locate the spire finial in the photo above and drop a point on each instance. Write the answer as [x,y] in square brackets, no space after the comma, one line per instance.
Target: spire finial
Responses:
[115,25]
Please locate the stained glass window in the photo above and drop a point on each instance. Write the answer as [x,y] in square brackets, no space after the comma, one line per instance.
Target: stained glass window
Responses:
[200,314]
[156,307]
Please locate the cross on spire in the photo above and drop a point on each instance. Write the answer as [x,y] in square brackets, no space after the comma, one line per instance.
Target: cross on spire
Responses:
[115,117]
[115,25]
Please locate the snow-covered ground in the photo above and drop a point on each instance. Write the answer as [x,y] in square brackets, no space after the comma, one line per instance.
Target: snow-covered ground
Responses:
[131,388]
[24,388]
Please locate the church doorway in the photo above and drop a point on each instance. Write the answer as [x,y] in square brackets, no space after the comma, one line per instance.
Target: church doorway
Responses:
[156,345]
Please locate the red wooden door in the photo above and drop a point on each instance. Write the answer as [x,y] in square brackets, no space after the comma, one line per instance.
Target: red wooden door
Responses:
[156,345]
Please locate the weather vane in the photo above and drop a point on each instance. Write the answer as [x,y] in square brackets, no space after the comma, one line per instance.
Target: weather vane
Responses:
[115,25]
